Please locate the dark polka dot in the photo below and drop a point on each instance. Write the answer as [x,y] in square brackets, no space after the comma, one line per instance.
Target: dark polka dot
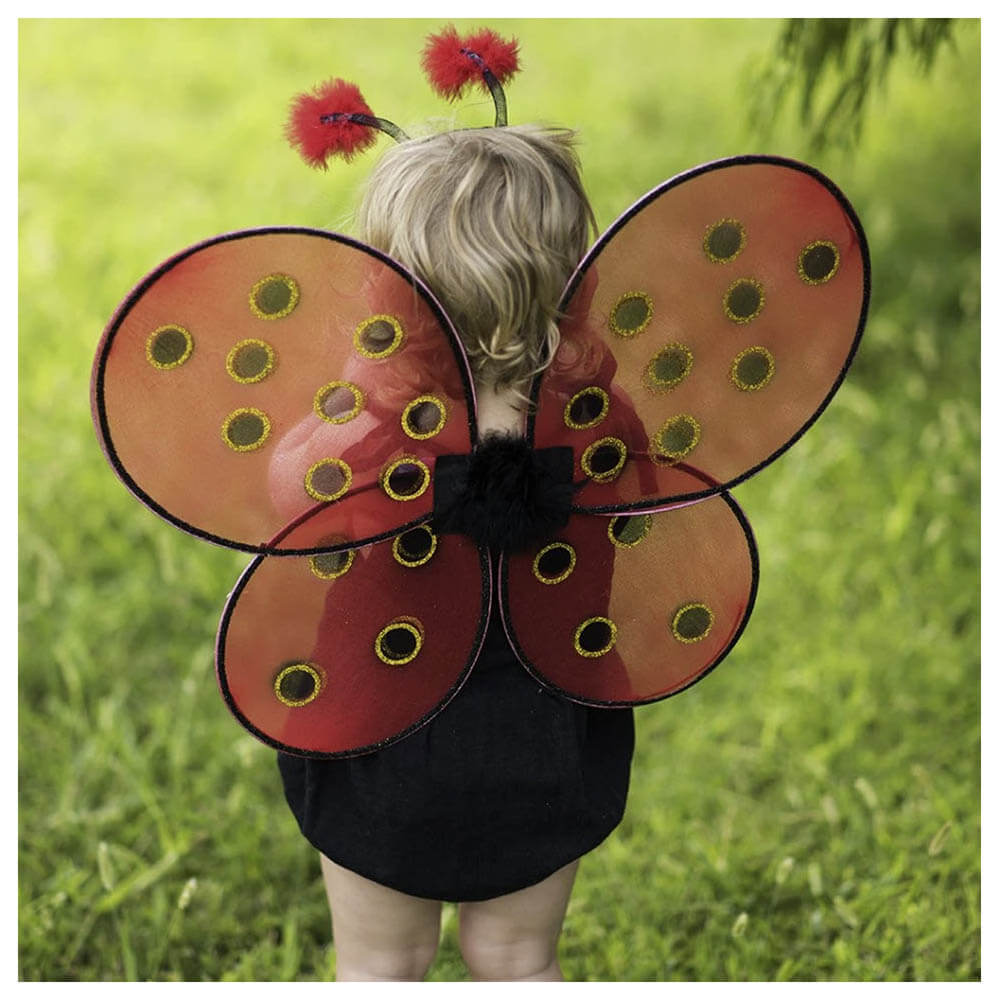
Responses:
[246,429]
[406,480]
[587,408]
[328,479]
[250,361]
[555,562]
[692,622]
[330,565]
[631,314]
[423,418]
[378,336]
[298,685]
[669,367]
[595,636]
[399,642]
[724,241]
[339,402]
[744,300]
[415,547]
[604,459]
[818,262]
[274,296]
[169,347]
[677,436]
[752,369]
[627,531]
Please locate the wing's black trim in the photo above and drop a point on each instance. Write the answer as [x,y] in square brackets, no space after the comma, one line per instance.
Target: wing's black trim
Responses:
[99,411]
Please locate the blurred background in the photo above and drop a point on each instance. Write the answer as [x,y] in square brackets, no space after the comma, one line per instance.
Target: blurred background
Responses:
[811,810]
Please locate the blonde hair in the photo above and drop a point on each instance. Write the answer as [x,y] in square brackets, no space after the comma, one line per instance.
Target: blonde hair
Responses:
[494,221]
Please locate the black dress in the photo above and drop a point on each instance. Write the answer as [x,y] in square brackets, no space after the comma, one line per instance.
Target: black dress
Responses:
[505,786]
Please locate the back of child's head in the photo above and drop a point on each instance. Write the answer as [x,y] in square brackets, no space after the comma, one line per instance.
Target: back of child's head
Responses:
[494,221]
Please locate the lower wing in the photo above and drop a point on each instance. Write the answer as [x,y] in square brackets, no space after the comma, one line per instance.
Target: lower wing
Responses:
[342,653]
[632,608]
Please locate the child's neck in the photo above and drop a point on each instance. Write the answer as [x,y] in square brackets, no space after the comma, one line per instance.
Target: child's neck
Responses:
[497,411]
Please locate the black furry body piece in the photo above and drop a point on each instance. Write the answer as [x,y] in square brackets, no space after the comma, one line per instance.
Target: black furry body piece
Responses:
[505,495]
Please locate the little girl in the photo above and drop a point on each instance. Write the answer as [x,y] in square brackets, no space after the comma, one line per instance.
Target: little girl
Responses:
[494,801]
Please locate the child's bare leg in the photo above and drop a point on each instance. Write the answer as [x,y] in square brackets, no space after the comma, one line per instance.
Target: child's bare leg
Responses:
[379,934]
[514,937]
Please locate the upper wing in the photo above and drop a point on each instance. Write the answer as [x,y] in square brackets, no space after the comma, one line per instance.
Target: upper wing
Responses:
[343,652]
[264,375]
[706,330]
[630,609]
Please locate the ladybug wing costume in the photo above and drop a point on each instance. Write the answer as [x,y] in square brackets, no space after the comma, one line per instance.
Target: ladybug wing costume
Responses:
[299,395]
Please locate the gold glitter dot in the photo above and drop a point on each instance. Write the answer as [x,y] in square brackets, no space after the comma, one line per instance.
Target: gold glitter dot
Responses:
[414,547]
[250,361]
[406,479]
[246,429]
[631,314]
[692,622]
[677,437]
[274,296]
[587,408]
[338,402]
[744,300]
[554,562]
[668,368]
[604,459]
[818,262]
[328,479]
[378,336]
[424,417]
[330,565]
[627,531]
[298,684]
[752,369]
[724,240]
[595,636]
[169,347]
[399,642]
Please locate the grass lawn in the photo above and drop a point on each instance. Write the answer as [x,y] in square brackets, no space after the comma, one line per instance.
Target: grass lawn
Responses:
[809,812]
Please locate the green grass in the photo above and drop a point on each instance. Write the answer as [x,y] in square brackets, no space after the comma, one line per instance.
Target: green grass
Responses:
[809,812]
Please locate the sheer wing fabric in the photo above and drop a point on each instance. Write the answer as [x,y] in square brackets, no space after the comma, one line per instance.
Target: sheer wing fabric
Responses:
[338,653]
[259,377]
[708,328]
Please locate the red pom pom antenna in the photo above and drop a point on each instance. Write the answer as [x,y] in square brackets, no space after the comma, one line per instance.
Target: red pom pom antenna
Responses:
[451,62]
[319,124]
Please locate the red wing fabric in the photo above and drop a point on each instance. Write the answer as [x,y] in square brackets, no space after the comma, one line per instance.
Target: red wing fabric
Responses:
[264,375]
[633,608]
[340,653]
[708,328]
